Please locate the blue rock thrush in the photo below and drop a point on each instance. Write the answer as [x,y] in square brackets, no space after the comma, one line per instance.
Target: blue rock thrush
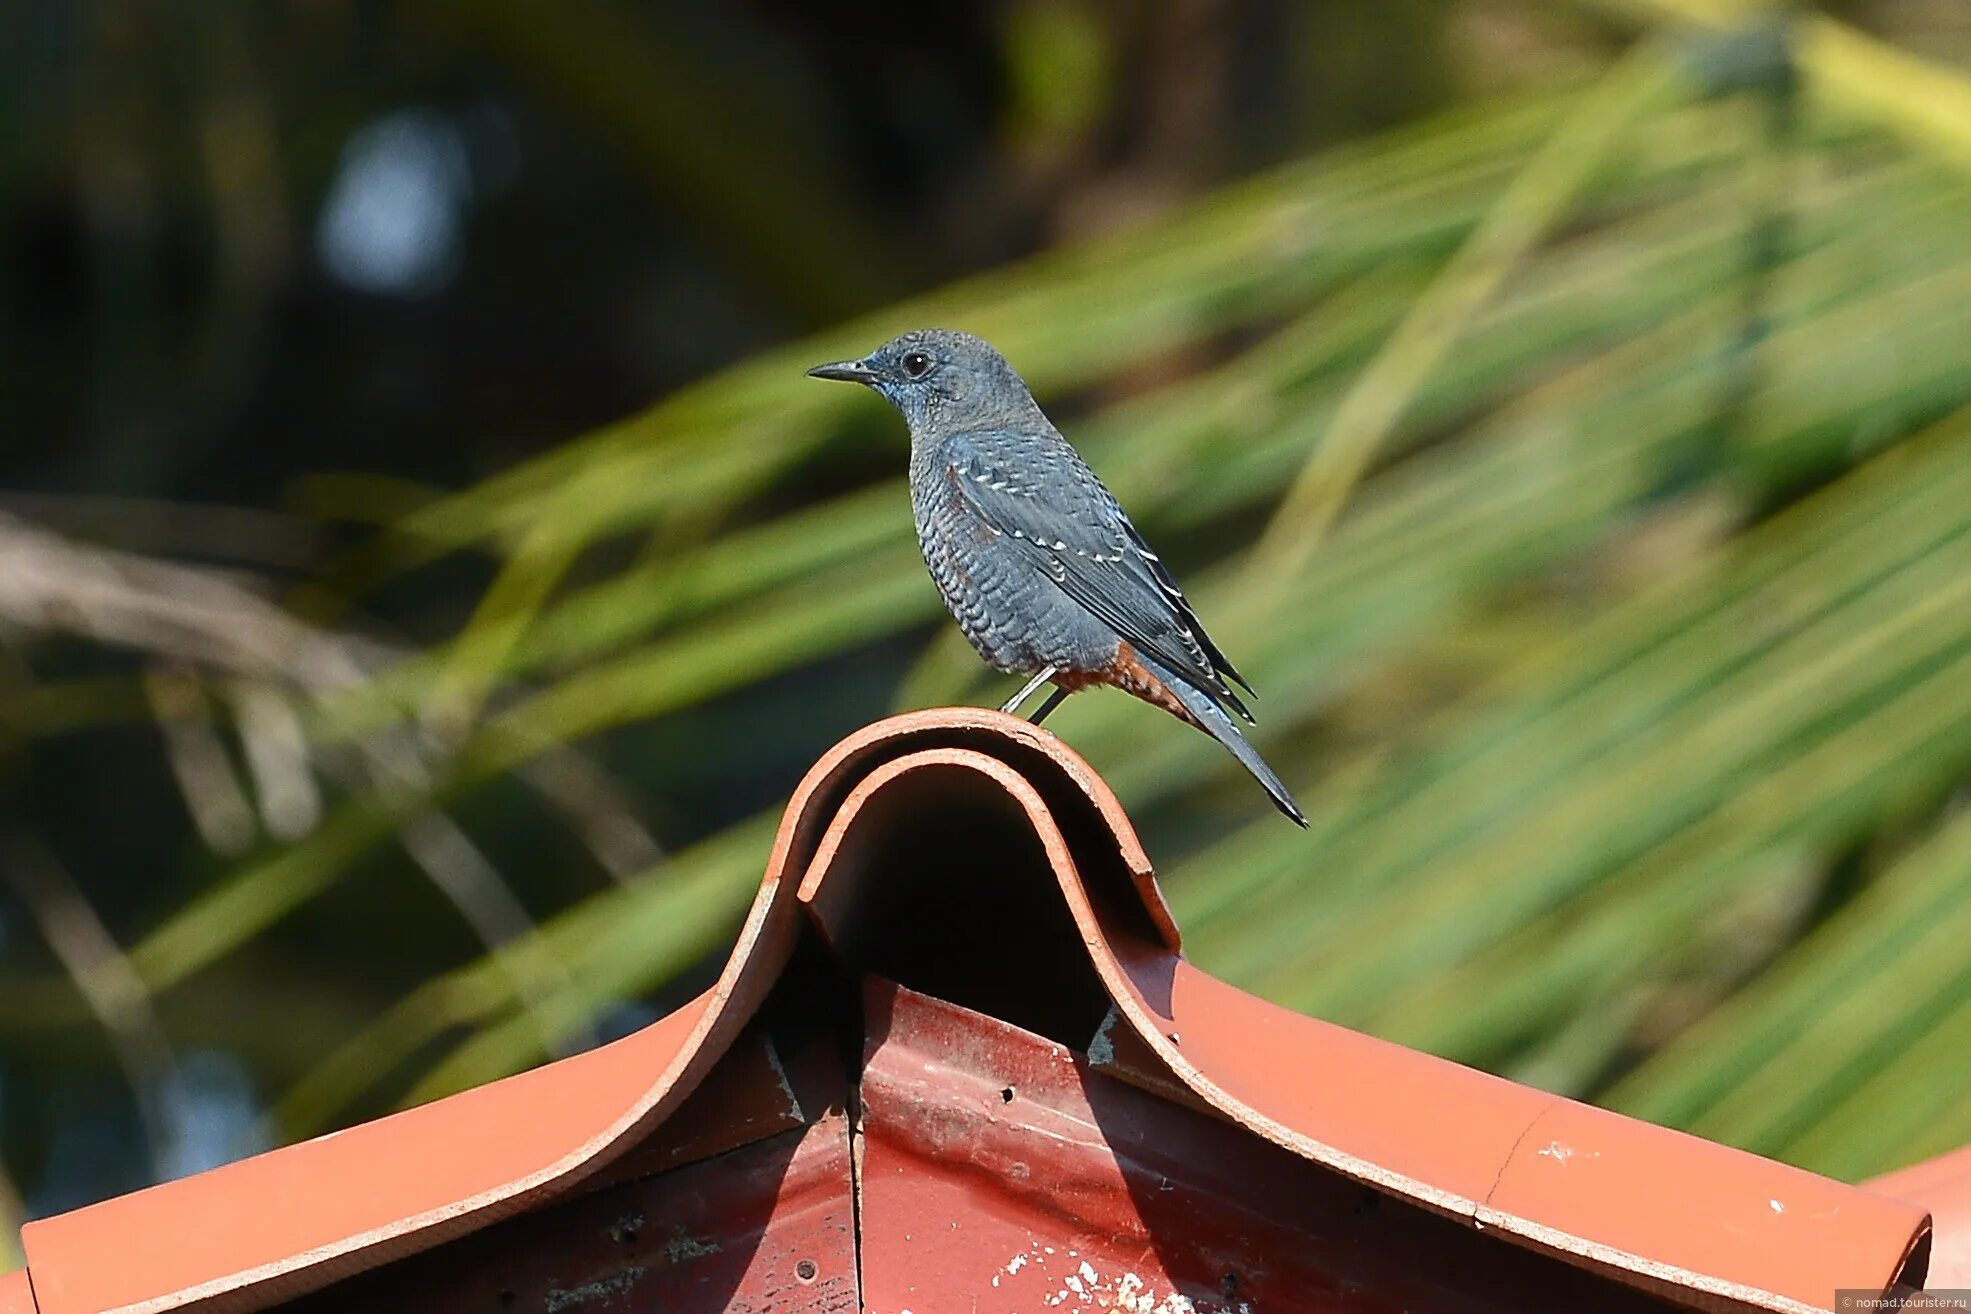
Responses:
[1034,556]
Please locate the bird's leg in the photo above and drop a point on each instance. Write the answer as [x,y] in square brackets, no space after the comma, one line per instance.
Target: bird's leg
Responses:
[1026,690]
[1053,701]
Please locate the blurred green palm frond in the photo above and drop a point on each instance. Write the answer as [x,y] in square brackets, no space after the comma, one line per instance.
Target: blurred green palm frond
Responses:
[1627,689]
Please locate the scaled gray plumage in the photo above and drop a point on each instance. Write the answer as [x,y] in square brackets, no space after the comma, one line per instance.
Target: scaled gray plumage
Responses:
[1035,558]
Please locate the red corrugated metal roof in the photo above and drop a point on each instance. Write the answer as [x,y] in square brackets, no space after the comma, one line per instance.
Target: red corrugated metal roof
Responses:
[1668,1213]
[1000,1164]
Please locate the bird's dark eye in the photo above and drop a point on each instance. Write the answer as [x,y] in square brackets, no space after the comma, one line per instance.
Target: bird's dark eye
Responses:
[916,364]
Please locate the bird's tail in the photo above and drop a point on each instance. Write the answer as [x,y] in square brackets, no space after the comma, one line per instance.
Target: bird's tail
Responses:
[1211,718]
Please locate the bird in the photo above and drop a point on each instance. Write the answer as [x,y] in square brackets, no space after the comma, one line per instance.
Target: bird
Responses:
[1036,560]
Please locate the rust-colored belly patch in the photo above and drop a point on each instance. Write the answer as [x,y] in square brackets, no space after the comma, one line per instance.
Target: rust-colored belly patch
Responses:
[1127,672]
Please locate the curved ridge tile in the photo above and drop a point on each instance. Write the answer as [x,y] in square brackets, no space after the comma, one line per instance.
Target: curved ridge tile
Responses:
[822,897]
[991,733]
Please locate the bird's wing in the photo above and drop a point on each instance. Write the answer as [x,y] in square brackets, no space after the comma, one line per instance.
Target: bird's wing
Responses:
[1161,573]
[1041,495]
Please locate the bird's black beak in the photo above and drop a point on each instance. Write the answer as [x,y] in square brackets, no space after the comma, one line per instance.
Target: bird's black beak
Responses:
[844,371]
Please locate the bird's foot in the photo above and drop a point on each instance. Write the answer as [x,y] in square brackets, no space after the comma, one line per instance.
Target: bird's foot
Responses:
[1053,701]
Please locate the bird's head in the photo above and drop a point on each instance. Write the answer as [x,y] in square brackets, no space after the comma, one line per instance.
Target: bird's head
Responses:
[941,380]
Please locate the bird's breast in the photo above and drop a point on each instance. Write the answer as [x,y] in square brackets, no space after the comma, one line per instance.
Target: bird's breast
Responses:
[989,588]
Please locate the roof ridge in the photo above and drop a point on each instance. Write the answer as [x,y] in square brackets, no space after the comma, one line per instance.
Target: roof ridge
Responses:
[1593,1187]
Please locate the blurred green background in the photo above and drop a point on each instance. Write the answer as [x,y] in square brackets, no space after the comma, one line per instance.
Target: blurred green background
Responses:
[424,568]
